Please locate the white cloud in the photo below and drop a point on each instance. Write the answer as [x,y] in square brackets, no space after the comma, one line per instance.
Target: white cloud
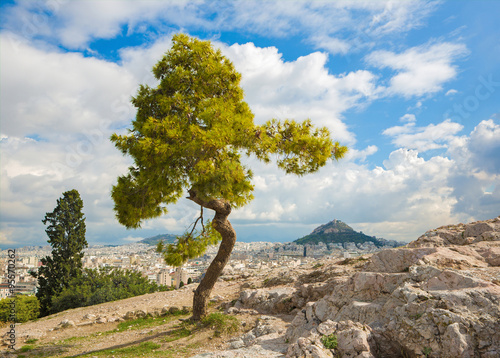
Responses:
[476,178]
[484,146]
[354,154]
[407,189]
[433,136]
[49,89]
[420,70]
[299,89]
[61,99]
[332,45]
[76,23]
[409,118]
[133,238]
[451,92]
[66,106]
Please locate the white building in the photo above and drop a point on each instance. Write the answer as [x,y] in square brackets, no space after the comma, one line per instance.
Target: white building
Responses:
[164,277]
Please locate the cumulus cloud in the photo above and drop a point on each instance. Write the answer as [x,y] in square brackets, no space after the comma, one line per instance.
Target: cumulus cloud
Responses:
[433,136]
[484,146]
[299,89]
[419,70]
[362,154]
[62,107]
[407,189]
[51,89]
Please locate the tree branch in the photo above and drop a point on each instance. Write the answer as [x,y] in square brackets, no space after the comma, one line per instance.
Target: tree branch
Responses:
[196,222]
[217,205]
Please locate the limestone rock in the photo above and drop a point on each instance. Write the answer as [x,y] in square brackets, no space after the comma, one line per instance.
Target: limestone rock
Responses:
[140,314]
[129,316]
[89,316]
[101,320]
[66,323]
[272,300]
[439,296]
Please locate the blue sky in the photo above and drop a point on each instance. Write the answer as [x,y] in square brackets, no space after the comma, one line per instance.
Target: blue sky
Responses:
[411,87]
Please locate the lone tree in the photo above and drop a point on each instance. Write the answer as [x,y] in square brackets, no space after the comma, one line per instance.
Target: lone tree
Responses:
[189,134]
[66,232]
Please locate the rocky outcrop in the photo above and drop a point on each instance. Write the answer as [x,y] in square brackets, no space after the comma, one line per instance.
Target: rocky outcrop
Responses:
[461,234]
[437,297]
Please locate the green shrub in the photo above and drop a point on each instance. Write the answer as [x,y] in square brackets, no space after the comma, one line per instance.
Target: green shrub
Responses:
[427,351]
[26,348]
[103,285]
[330,341]
[25,307]
[221,323]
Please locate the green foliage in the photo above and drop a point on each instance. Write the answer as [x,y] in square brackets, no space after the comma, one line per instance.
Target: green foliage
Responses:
[26,348]
[66,231]
[221,323]
[142,349]
[103,285]
[190,131]
[26,308]
[190,281]
[330,341]
[427,351]
[301,148]
[189,134]
[178,333]
[145,322]
[189,246]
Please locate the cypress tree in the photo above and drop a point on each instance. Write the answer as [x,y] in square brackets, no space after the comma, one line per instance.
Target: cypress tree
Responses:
[66,231]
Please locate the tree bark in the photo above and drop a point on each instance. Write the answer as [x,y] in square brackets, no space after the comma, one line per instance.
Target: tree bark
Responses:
[223,226]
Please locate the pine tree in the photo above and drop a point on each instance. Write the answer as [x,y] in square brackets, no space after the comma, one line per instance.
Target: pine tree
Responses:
[66,231]
[188,135]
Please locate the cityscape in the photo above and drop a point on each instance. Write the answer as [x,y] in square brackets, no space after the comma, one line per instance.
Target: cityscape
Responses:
[246,257]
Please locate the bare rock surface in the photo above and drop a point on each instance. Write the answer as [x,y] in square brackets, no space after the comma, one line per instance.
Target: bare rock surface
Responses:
[437,297]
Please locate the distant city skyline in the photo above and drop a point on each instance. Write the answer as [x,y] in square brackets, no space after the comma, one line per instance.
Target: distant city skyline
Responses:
[411,87]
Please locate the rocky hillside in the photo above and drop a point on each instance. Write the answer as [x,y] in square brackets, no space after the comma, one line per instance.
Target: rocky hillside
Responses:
[437,297]
[338,232]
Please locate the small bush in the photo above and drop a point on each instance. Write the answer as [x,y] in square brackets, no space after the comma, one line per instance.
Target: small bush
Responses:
[221,323]
[26,308]
[107,284]
[26,348]
[330,341]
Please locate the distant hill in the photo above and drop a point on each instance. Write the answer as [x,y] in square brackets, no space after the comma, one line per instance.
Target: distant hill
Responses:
[167,238]
[338,232]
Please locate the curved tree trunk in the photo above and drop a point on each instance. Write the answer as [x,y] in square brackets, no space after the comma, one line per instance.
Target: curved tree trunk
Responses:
[224,227]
